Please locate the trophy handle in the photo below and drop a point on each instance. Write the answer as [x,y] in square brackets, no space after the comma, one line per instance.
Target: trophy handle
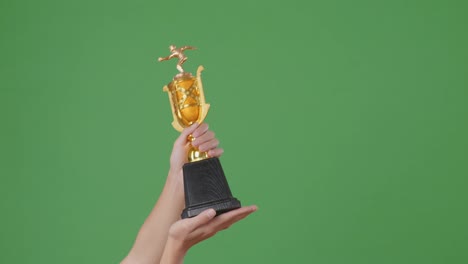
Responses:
[174,123]
[204,106]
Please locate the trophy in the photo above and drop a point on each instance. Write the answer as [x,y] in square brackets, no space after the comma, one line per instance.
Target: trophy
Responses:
[205,185]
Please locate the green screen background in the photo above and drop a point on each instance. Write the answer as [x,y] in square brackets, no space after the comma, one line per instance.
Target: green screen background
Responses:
[344,121]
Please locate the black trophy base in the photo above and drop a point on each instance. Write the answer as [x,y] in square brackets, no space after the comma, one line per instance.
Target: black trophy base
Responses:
[219,206]
[205,187]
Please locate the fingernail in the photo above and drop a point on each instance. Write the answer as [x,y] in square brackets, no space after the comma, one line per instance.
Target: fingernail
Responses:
[211,213]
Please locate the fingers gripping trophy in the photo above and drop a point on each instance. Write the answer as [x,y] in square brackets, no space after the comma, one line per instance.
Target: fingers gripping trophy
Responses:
[205,185]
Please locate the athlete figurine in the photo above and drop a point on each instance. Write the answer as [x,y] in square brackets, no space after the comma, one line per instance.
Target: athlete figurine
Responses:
[178,53]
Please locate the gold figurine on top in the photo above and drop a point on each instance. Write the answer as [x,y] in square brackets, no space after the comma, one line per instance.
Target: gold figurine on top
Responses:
[186,97]
[178,53]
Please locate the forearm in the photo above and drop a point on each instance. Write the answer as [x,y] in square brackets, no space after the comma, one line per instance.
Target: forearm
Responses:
[151,240]
[150,243]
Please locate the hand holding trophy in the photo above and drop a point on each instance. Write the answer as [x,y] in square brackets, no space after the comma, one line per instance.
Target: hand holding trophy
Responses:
[205,185]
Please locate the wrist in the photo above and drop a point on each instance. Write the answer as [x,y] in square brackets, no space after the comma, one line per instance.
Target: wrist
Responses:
[175,183]
[174,170]
[177,246]
[175,175]
[174,252]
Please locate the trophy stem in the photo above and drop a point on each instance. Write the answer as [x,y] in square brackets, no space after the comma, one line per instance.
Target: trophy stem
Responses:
[194,154]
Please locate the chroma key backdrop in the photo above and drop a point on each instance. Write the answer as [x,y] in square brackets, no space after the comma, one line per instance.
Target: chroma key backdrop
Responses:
[346,122]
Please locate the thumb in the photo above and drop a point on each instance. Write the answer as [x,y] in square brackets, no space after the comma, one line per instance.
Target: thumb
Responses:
[201,219]
[182,139]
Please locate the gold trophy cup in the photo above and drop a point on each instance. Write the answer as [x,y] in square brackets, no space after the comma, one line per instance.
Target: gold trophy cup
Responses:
[205,185]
